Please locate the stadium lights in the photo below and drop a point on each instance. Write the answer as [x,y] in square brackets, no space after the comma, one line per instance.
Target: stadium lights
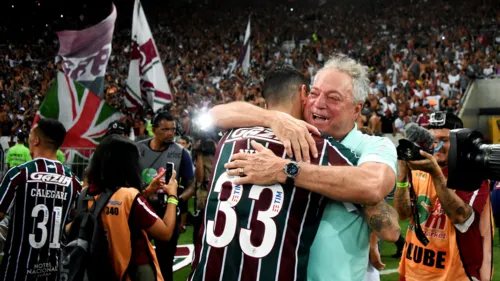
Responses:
[12,6]
[61,16]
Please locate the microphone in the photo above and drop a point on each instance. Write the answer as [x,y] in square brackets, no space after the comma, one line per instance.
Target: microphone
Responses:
[419,135]
[417,138]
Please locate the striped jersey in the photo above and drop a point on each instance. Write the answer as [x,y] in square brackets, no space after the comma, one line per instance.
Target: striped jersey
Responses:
[37,196]
[254,232]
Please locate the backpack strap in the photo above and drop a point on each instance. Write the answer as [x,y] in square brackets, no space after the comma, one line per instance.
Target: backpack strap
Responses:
[102,201]
[82,205]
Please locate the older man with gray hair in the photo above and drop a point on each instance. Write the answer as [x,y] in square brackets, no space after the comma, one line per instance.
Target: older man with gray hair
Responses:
[341,247]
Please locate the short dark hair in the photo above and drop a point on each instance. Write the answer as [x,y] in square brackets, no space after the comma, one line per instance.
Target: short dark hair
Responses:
[282,83]
[160,117]
[52,132]
[115,164]
[186,138]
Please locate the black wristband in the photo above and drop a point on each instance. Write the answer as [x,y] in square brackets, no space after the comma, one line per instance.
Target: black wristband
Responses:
[175,197]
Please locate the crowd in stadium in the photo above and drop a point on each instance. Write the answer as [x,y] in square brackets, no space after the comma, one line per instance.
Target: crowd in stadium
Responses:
[420,57]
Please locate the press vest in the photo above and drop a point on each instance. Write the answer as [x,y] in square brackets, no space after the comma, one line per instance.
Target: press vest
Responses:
[441,259]
[152,161]
[115,220]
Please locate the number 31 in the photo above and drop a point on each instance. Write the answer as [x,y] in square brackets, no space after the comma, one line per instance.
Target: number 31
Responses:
[229,229]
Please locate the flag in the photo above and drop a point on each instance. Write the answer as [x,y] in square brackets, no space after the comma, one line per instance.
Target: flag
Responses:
[85,53]
[84,115]
[183,256]
[146,82]
[246,49]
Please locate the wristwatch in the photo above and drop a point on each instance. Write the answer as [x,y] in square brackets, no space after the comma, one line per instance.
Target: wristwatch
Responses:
[291,169]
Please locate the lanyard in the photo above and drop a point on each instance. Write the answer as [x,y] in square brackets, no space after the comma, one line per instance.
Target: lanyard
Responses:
[416,218]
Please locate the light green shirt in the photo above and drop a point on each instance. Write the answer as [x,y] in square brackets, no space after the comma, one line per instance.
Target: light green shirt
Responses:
[149,127]
[17,155]
[60,156]
[341,246]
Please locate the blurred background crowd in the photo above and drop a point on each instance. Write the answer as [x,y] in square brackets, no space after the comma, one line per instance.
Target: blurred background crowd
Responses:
[421,55]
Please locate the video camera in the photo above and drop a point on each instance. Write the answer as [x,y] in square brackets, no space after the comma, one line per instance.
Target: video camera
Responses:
[470,159]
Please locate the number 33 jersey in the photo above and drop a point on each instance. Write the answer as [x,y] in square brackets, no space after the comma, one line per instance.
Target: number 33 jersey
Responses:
[37,196]
[254,232]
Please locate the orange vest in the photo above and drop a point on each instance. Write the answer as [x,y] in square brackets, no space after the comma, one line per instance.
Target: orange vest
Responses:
[440,259]
[115,217]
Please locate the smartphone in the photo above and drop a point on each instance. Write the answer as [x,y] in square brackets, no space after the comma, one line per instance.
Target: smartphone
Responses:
[168,174]
[162,196]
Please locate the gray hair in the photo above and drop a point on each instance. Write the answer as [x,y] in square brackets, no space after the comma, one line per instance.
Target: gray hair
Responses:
[357,71]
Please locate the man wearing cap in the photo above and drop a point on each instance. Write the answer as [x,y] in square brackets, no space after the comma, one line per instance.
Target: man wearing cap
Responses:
[114,128]
[423,119]
[456,223]
[19,153]
[118,128]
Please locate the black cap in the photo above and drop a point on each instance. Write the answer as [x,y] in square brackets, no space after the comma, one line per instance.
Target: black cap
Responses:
[116,128]
[21,135]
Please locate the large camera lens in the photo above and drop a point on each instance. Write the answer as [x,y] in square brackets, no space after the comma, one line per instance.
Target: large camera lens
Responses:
[471,160]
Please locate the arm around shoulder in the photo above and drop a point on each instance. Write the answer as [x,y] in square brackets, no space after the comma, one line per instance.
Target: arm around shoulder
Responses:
[239,114]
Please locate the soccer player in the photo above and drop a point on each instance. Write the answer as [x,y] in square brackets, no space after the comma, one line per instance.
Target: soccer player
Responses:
[333,105]
[253,232]
[38,196]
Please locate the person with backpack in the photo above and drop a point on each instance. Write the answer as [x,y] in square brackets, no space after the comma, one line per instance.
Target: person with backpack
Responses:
[121,219]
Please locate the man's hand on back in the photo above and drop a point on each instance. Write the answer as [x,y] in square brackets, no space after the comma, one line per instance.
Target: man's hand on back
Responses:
[261,167]
[294,134]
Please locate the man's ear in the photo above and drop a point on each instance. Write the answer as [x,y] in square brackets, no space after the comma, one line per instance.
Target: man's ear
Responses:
[36,141]
[357,110]
[303,94]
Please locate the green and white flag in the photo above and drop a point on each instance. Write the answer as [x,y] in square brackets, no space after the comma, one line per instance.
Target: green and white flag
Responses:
[84,115]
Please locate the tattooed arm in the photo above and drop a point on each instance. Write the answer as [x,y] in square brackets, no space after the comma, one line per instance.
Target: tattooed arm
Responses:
[402,196]
[454,207]
[382,220]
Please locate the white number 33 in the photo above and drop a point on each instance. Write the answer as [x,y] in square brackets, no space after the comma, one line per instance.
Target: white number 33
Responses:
[231,222]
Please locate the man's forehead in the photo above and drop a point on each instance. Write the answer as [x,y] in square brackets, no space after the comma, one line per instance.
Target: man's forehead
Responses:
[165,123]
[440,133]
[332,80]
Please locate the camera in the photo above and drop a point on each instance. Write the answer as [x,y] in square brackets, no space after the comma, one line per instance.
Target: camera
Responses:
[417,138]
[408,151]
[471,160]
[205,133]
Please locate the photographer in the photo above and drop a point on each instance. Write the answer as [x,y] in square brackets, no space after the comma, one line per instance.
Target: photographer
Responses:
[204,155]
[457,241]
[155,154]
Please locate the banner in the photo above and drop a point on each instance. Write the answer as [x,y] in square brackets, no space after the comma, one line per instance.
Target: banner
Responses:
[146,82]
[85,53]
[246,49]
[84,115]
